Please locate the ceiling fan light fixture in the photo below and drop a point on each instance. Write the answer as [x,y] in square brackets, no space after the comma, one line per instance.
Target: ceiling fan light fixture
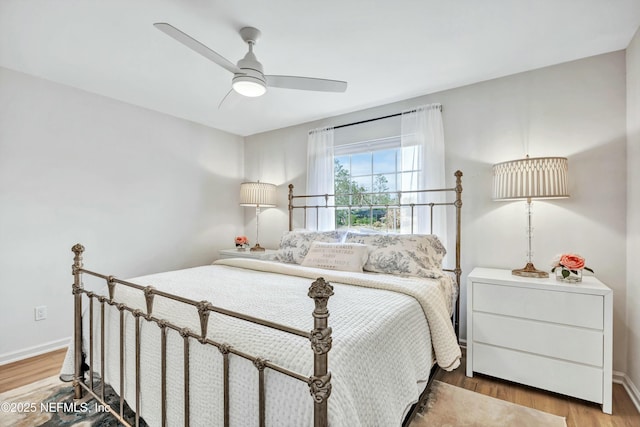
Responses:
[249,86]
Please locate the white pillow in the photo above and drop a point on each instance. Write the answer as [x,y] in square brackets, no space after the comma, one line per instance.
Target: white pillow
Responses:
[336,256]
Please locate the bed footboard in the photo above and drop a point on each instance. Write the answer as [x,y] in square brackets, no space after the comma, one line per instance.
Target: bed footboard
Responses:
[320,338]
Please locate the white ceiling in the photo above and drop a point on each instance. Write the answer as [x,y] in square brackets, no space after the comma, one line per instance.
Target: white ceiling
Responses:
[387,51]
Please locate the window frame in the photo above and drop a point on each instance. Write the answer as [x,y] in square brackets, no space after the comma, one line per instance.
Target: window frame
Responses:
[370,147]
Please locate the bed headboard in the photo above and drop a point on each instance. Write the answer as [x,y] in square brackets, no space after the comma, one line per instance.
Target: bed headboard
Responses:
[368,201]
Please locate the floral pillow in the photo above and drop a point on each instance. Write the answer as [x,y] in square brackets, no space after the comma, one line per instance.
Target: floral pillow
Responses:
[403,254]
[294,245]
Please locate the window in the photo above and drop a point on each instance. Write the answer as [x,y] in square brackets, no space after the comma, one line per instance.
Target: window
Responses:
[369,167]
[385,163]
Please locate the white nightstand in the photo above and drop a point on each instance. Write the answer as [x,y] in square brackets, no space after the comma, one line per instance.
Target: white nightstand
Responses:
[234,253]
[541,332]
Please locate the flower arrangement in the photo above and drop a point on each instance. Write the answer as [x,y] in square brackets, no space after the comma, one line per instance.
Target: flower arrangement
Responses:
[569,267]
[242,242]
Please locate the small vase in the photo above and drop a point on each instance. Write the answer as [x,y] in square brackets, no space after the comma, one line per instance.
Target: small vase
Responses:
[571,276]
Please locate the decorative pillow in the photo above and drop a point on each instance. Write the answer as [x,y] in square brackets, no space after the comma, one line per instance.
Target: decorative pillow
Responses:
[403,254]
[294,245]
[336,256]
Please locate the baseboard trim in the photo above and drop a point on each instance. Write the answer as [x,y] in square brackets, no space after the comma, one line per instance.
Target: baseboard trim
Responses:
[34,351]
[629,386]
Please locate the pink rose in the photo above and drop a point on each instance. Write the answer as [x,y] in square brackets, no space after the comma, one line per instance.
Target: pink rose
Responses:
[572,262]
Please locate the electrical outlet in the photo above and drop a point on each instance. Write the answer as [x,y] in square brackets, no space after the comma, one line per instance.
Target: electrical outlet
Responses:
[41,312]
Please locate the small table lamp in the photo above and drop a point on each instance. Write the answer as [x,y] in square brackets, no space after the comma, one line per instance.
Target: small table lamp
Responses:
[260,195]
[526,179]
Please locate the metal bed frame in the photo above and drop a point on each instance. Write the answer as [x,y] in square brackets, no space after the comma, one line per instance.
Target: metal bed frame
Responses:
[319,337]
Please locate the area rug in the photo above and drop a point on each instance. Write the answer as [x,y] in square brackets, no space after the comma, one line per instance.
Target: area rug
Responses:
[50,403]
[449,406]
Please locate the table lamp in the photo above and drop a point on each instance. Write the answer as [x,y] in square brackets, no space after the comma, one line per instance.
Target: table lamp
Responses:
[260,195]
[527,179]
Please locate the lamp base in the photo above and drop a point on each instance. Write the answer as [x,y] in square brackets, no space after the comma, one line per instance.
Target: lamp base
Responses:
[528,271]
[257,248]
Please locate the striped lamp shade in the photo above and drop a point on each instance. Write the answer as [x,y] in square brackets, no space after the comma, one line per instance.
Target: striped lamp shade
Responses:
[531,178]
[258,194]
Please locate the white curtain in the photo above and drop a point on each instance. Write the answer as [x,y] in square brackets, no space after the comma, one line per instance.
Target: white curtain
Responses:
[320,178]
[422,141]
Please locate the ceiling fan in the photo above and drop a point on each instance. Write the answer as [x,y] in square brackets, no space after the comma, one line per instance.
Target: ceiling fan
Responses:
[248,77]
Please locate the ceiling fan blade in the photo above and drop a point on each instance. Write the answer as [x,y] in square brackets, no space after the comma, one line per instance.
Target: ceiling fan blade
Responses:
[195,45]
[306,83]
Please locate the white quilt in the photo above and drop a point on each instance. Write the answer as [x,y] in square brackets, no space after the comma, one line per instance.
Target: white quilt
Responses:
[380,359]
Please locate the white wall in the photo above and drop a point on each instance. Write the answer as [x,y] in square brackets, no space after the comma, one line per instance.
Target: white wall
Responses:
[575,110]
[141,190]
[633,210]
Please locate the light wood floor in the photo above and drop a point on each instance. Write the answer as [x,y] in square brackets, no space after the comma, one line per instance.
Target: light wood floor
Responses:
[30,370]
[577,412]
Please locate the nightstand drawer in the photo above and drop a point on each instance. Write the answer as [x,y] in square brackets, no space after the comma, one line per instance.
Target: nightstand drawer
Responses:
[547,339]
[576,309]
[584,382]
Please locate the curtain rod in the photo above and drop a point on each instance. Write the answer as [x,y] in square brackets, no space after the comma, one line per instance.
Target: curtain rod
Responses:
[373,120]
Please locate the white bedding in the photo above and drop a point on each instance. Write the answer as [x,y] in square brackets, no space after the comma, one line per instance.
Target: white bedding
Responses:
[380,359]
